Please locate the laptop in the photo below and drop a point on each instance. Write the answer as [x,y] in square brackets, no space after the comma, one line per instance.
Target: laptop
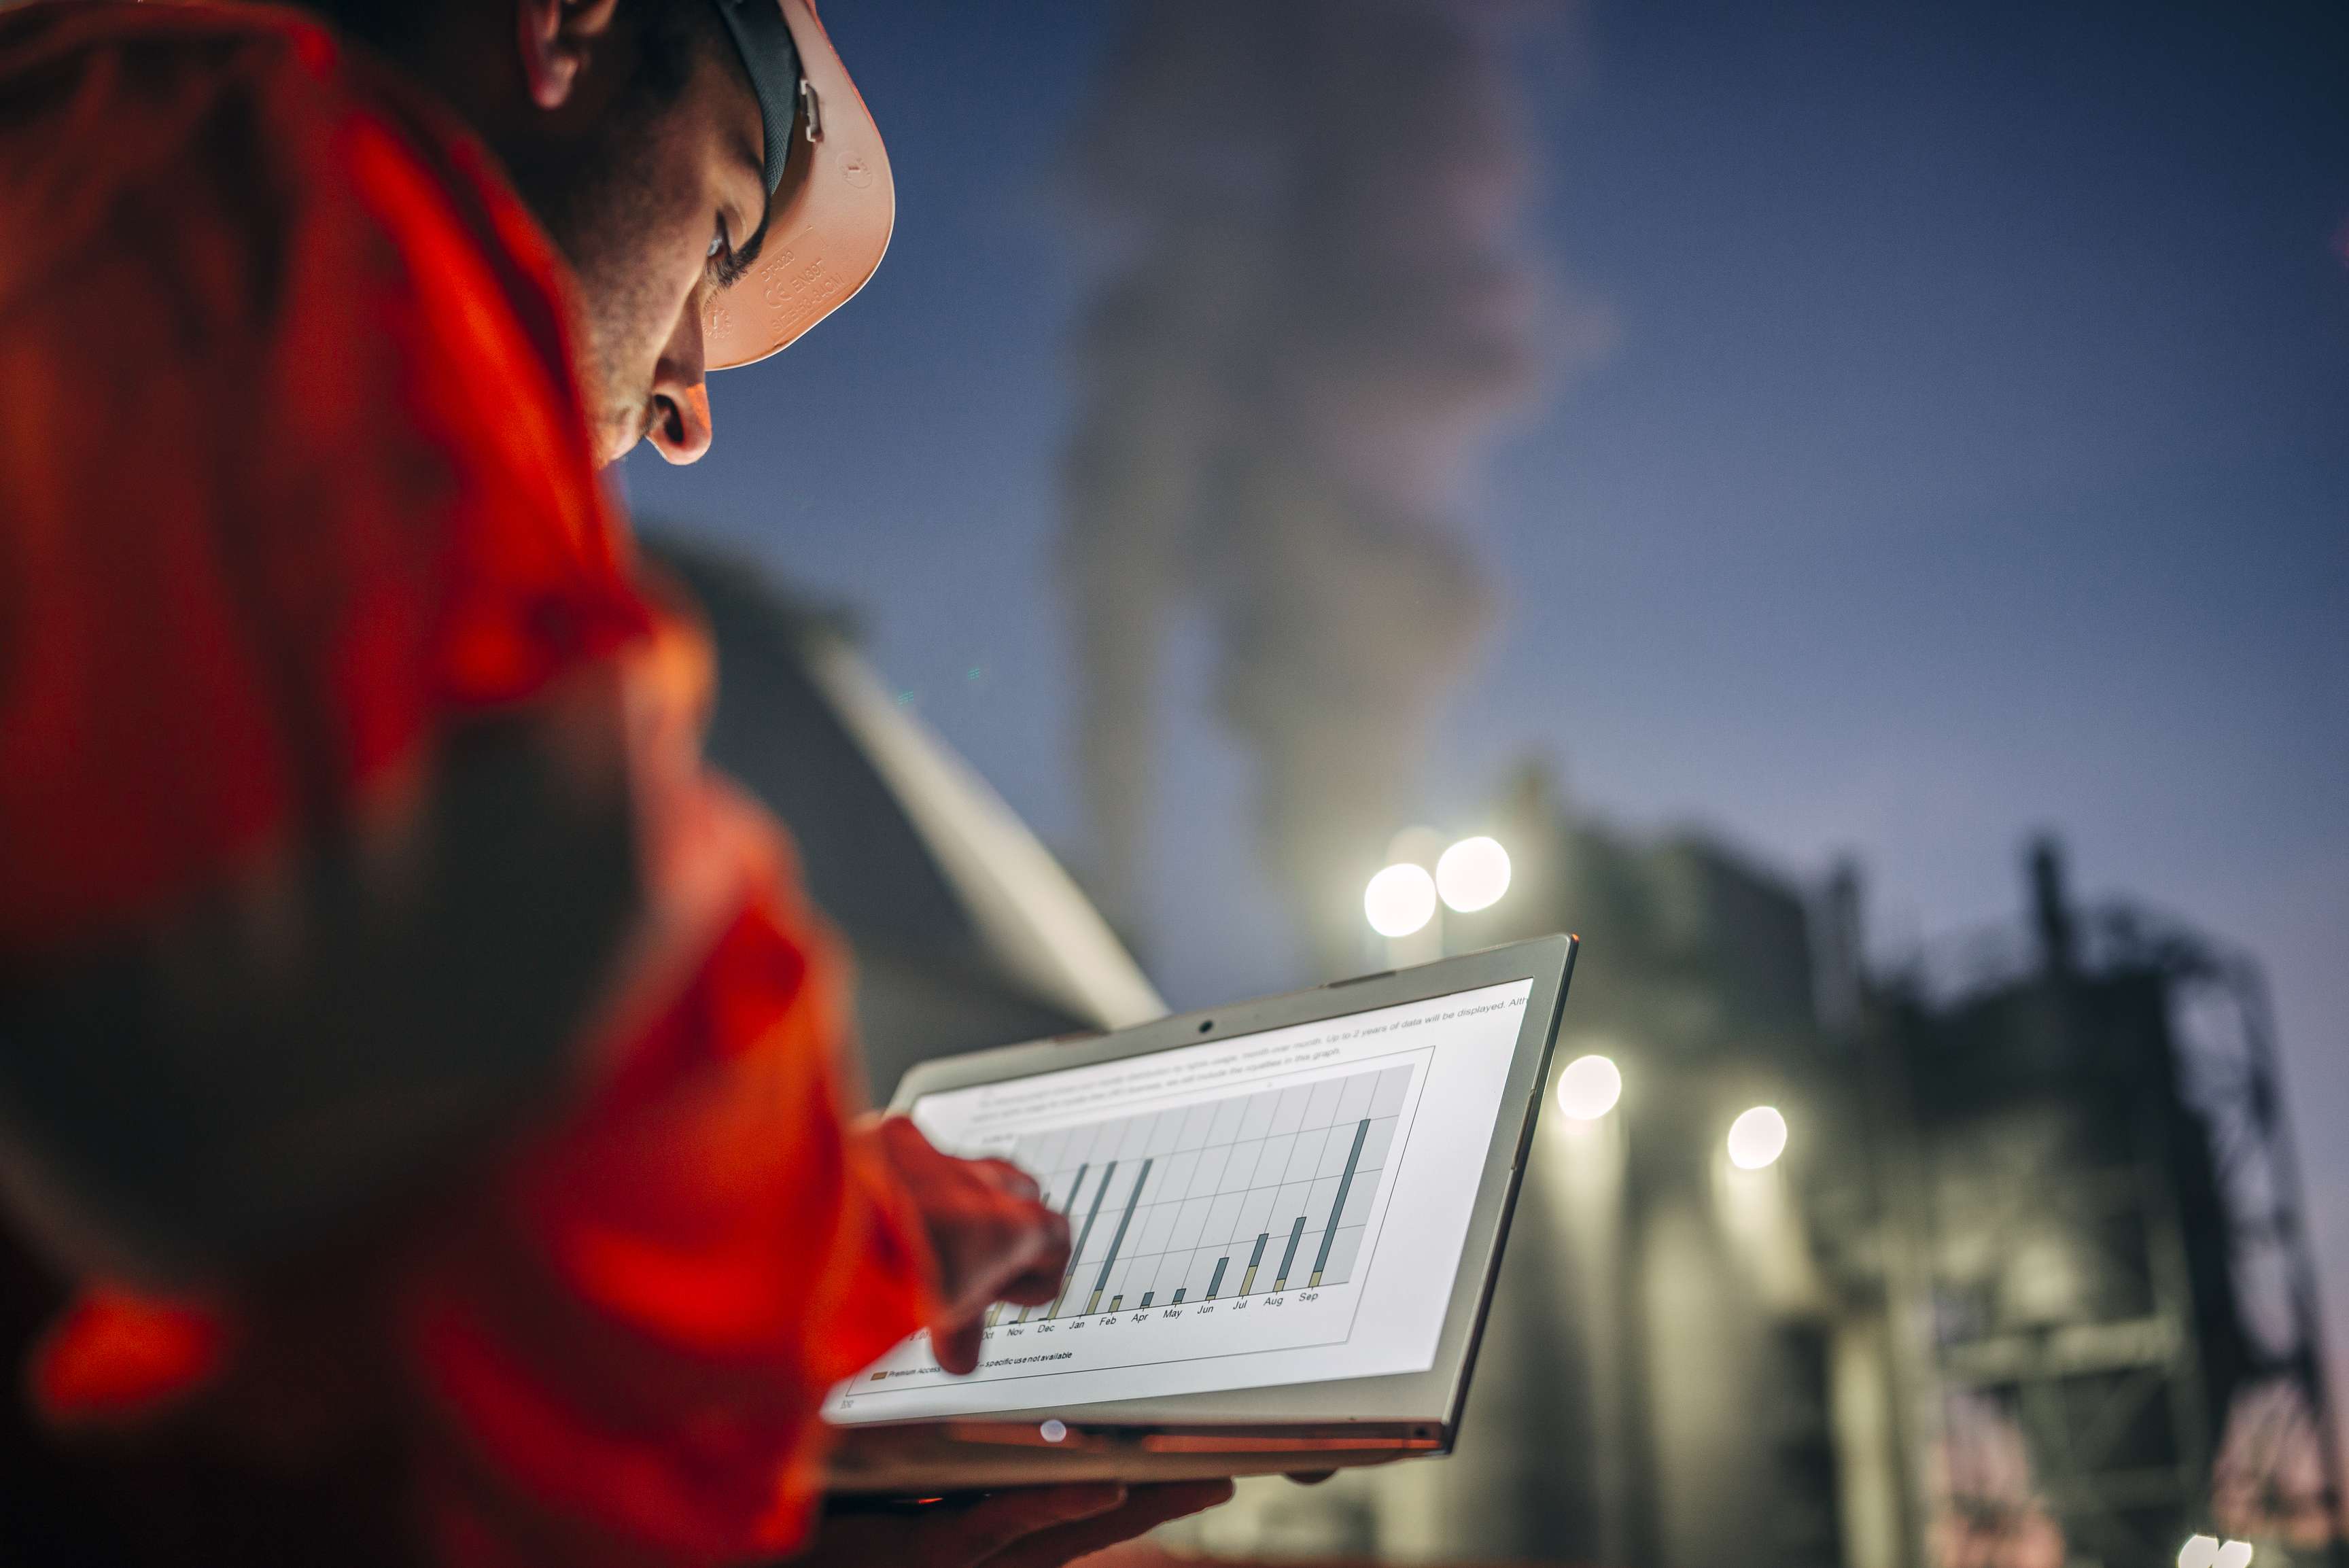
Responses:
[1286,1217]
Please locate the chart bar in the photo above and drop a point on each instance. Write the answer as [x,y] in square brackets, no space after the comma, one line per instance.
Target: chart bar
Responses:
[993,1312]
[1337,1208]
[1295,1235]
[1115,1302]
[1101,1280]
[1178,1298]
[1067,1209]
[1247,1280]
[1146,1296]
[1217,1284]
[1082,1236]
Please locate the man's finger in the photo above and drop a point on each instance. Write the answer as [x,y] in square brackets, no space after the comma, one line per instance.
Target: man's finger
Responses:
[959,1534]
[1041,1281]
[1013,1179]
[853,1538]
[1032,1289]
[991,1233]
[1022,1250]
[1146,1508]
[957,1348]
[992,1523]
[1049,1237]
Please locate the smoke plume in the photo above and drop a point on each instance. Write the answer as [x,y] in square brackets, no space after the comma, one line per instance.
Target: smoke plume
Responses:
[1314,315]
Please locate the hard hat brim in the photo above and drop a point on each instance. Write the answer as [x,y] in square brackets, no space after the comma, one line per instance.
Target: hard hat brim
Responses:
[829,227]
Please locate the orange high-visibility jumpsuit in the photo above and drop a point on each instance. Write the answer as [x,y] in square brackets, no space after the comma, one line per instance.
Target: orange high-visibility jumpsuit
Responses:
[362,894]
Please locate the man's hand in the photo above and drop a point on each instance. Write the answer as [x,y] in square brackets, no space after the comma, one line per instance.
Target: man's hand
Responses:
[992,1235]
[1042,1527]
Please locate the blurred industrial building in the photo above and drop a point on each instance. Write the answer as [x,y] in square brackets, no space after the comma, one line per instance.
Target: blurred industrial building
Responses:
[2028,1288]
[967,932]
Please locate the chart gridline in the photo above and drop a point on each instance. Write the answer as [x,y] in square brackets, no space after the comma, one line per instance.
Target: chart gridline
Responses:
[1271,1189]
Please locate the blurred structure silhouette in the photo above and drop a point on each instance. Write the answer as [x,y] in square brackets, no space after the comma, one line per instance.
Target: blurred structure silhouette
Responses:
[2029,1287]
[2082,1146]
[1314,315]
[967,932]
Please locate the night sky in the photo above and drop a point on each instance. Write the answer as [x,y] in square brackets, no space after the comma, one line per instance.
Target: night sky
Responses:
[1970,458]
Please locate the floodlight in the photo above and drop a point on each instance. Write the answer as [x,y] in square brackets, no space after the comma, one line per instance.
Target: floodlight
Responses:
[1588,1087]
[1400,899]
[1473,875]
[1757,1138]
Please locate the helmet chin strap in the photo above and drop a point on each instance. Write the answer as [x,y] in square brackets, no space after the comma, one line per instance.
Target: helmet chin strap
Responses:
[764,40]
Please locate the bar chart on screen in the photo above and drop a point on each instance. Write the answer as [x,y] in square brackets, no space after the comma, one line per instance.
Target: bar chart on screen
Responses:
[1283,1206]
[1223,1200]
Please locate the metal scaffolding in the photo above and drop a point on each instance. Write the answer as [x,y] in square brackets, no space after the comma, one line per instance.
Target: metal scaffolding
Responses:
[2097,1265]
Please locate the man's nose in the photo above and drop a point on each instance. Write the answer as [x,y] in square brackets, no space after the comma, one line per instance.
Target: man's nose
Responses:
[680,424]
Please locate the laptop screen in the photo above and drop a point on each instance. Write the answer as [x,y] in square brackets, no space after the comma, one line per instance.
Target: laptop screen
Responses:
[1283,1207]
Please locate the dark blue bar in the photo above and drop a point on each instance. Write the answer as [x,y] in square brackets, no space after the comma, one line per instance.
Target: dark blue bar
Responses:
[1295,1235]
[1329,1236]
[1127,1218]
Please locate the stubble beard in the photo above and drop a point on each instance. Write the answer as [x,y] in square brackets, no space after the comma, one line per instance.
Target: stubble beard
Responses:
[590,206]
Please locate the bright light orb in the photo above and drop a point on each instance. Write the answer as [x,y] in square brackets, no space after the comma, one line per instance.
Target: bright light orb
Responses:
[1400,899]
[1473,875]
[1757,1138]
[2232,1554]
[1588,1087]
[2199,1551]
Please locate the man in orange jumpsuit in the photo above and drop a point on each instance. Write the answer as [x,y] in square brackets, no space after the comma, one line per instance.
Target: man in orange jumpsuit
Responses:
[420,1082]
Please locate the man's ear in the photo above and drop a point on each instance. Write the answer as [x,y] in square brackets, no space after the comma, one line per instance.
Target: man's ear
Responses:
[556,37]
